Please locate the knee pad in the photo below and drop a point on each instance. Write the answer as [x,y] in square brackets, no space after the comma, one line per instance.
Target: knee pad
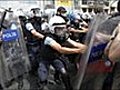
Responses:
[63,71]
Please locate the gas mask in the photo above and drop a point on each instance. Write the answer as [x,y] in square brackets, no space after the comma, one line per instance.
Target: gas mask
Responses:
[35,14]
[58,28]
[62,33]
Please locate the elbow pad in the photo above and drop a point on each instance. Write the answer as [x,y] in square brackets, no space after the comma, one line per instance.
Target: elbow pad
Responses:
[48,41]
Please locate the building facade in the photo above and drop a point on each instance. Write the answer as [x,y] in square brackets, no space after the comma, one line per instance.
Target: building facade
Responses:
[44,4]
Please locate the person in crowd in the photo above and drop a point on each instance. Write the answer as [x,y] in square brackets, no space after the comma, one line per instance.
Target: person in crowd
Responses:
[44,25]
[34,35]
[78,27]
[112,52]
[53,48]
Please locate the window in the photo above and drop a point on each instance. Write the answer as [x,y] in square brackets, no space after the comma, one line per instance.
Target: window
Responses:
[84,1]
[28,2]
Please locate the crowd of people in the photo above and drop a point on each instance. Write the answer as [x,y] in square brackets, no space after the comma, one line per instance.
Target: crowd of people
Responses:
[50,41]
[47,47]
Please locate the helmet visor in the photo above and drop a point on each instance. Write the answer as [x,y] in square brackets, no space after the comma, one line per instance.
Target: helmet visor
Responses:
[61,32]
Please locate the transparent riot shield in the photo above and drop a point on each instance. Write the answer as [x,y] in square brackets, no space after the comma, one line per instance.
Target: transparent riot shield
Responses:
[85,58]
[100,74]
[14,62]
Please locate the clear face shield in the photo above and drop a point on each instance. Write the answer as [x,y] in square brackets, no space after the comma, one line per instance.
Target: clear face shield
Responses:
[36,14]
[61,32]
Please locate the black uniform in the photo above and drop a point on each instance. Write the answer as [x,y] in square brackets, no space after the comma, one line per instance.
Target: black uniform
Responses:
[32,42]
[49,56]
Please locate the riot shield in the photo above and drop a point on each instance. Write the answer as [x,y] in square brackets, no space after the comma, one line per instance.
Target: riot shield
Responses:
[14,62]
[86,57]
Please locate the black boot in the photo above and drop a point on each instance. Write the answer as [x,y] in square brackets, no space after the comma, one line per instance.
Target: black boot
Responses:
[43,85]
[1,88]
[57,77]
[66,81]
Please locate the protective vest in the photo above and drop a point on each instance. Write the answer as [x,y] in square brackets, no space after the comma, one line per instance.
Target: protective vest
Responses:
[37,25]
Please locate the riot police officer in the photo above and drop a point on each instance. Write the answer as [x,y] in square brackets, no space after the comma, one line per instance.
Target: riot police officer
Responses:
[33,34]
[45,25]
[52,49]
[114,76]
[78,27]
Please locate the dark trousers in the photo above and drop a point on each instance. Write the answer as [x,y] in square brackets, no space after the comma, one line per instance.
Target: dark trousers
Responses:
[34,55]
[43,72]
[43,69]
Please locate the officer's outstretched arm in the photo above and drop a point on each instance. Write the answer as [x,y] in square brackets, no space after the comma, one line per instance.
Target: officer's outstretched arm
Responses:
[79,48]
[84,30]
[77,45]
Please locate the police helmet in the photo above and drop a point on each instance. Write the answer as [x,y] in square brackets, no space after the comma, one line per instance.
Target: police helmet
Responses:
[74,16]
[34,11]
[58,28]
[56,21]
